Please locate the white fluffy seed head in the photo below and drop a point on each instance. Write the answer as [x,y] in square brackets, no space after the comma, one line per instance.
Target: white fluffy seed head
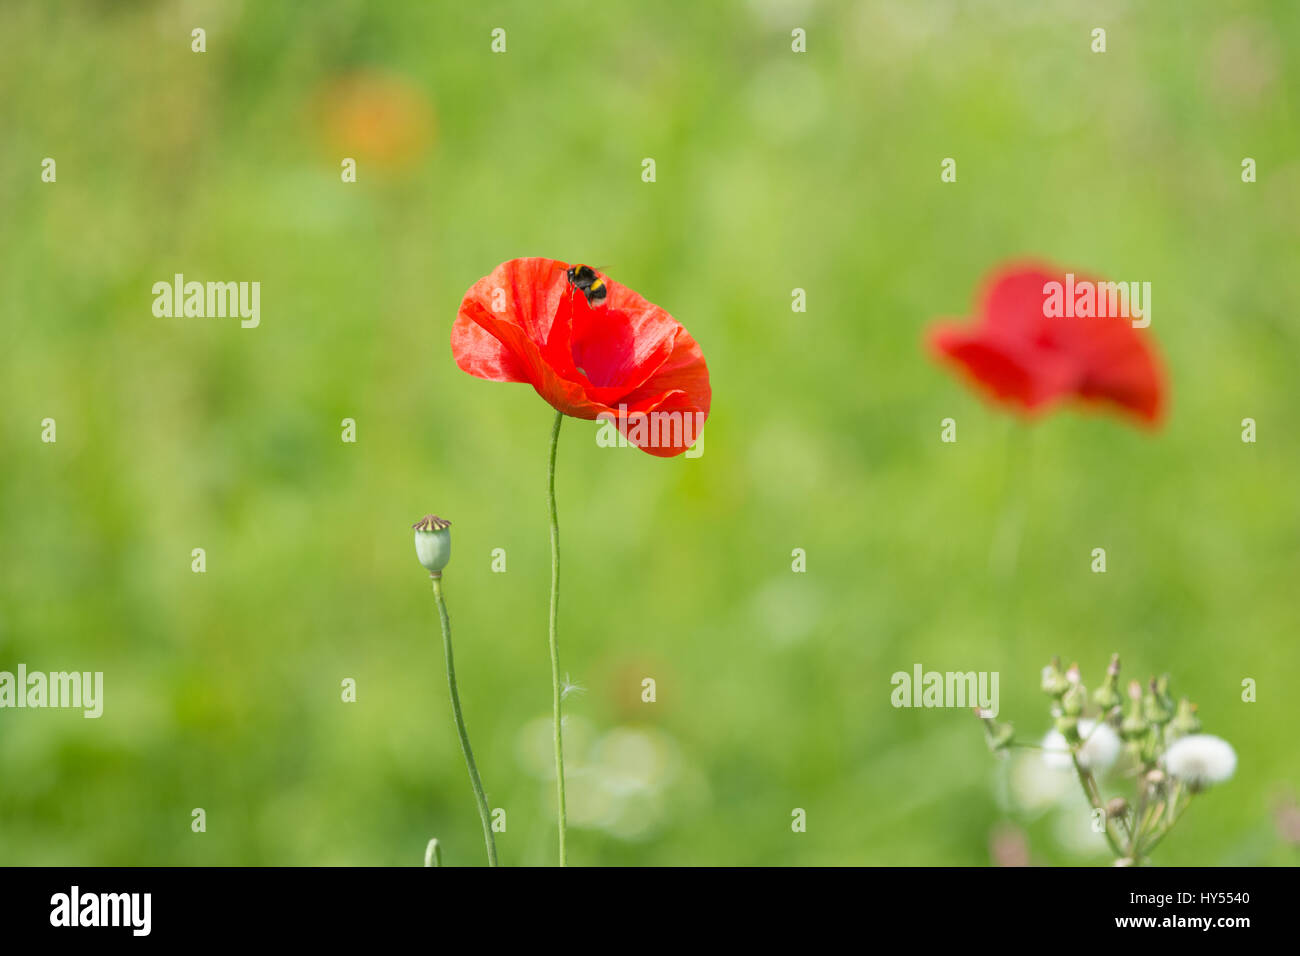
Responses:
[1099,750]
[1200,760]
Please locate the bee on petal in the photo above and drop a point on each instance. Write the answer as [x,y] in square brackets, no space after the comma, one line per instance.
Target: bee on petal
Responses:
[586,281]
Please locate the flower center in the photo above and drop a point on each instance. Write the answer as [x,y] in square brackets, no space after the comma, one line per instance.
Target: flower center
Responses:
[604,351]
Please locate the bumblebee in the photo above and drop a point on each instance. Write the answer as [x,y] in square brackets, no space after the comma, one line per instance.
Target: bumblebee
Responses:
[584,279]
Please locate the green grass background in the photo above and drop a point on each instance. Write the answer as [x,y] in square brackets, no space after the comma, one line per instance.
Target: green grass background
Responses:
[775,170]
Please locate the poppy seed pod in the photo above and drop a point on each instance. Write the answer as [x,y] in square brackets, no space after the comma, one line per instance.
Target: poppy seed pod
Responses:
[433,543]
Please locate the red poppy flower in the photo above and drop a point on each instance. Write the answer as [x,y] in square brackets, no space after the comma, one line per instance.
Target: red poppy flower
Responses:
[1022,354]
[621,359]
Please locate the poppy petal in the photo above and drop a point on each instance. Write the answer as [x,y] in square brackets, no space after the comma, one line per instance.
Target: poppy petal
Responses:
[1004,371]
[482,354]
[616,346]
[623,357]
[1013,299]
[523,292]
[1120,367]
[1020,355]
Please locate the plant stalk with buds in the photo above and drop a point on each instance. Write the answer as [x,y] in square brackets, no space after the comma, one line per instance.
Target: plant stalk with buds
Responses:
[1171,760]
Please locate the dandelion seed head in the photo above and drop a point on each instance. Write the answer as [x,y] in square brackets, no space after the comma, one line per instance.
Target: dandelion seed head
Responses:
[1099,750]
[1200,760]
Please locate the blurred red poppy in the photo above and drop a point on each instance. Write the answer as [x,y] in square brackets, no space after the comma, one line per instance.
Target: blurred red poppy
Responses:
[1022,357]
[621,359]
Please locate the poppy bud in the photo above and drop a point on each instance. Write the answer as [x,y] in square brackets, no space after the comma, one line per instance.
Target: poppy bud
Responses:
[433,543]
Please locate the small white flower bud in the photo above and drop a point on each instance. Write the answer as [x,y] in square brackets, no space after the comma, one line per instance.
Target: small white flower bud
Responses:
[433,543]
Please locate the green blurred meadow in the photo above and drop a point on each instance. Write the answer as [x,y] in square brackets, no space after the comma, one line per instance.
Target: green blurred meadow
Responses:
[775,170]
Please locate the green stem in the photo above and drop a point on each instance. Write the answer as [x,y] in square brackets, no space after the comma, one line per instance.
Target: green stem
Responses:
[1008,535]
[1093,794]
[1139,823]
[433,853]
[474,780]
[1175,811]
[555,647]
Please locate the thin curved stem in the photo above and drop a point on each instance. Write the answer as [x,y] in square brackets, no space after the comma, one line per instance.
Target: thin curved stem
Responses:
[474,780]
[556,693]
[1093,794]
